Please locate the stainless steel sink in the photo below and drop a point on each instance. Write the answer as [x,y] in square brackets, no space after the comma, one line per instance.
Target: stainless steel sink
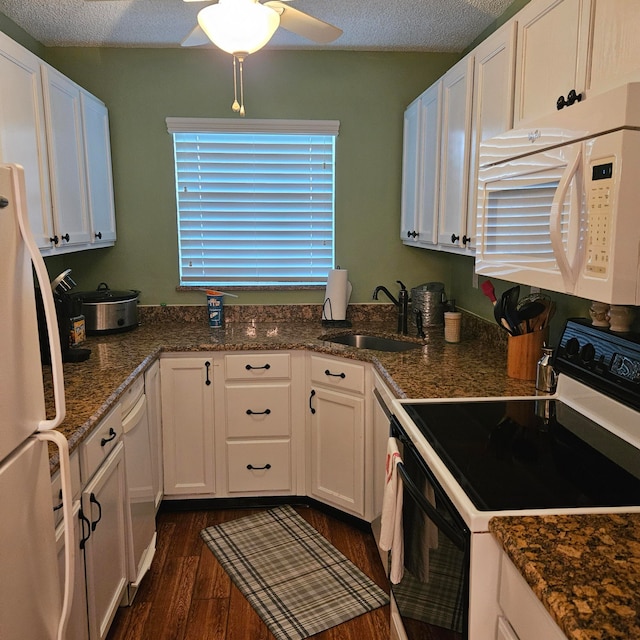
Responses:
[377,343]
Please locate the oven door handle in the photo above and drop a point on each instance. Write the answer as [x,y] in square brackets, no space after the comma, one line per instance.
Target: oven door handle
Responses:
[458,538]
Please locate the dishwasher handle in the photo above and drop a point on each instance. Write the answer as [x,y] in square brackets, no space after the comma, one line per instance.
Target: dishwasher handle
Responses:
[132,419]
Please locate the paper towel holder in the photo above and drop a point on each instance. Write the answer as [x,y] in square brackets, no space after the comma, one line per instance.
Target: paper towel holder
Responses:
[333,323]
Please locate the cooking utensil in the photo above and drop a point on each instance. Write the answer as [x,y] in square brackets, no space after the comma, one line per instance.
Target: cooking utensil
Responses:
[489,291]
[527,312]
[509,309]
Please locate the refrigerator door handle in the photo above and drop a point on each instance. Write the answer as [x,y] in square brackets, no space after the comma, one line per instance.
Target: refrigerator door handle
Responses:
[47,298]
[67,514]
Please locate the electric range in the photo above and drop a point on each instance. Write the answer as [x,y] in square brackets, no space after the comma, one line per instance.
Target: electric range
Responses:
[572,452]
[577,450]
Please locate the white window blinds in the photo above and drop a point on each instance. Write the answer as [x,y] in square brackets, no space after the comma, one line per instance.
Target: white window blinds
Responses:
[255,201]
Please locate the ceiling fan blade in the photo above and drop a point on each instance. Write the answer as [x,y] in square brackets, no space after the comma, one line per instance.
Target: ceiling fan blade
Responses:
[196,38]
[303,24]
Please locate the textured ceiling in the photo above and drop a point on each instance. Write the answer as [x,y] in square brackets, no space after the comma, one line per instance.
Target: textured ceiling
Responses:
[392,25]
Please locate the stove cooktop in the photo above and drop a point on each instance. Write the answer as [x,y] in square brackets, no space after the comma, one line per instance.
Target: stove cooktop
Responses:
[530,454]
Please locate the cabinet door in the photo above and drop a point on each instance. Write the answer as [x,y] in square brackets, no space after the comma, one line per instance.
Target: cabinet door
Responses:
[410,172]
[78,625]
[66,158]
[551,55]
[457,86]
[421,168]
[493,74]
[104,504]
[187,425]
[22,132]
[615,46]
[97,156]
[336,452]
[429,179]
[154,414]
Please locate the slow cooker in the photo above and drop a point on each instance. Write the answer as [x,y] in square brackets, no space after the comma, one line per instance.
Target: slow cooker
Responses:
[109,311]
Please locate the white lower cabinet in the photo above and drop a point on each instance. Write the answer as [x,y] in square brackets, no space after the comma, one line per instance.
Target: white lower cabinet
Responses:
[78,625]
[262,417]
[336,439]
[188,425]
[105,507]
[524,616]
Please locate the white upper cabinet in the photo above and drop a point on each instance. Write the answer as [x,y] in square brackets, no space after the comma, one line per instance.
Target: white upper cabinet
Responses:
[421,168]
[22,132]
[457,96]
[493,77]
[66,158]
[615,46]
[59,133]
[411,163]
[586,46]
[97,159]
[553,38]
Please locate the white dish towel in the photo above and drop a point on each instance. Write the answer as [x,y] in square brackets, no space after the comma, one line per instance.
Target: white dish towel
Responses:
[391,535]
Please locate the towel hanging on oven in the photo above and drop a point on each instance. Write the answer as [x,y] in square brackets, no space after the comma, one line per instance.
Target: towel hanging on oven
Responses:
[391,534]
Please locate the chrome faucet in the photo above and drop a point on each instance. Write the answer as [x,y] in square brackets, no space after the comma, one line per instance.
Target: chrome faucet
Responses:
[402,303]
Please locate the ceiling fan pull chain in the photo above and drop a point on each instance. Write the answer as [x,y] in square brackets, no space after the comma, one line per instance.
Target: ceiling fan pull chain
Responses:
[235,106]
[241,89]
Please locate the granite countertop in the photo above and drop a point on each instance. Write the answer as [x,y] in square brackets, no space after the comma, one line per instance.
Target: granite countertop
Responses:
[585,569]
[474,367]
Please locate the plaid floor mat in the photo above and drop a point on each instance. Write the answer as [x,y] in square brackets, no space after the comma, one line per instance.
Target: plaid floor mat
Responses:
[297,582]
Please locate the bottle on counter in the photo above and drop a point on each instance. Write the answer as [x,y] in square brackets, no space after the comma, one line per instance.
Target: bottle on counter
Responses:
[546,377]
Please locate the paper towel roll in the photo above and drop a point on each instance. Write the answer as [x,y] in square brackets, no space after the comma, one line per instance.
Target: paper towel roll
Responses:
[337,295]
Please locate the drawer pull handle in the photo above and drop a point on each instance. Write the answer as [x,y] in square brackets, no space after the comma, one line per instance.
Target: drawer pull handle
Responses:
[335,375]
[207,364]
[84,520]
[252,468]
[112,436]
[266,412]
[250,367]
[313,393]
[94,500]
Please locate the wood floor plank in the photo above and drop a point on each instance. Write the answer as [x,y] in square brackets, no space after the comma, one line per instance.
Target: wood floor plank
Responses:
[208,619]
[212,580]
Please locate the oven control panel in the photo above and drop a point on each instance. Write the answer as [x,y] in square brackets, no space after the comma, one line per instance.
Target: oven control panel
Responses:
[608,361]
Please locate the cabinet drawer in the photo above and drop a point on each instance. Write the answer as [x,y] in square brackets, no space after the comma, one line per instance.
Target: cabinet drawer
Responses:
[243,455]
[131,396]
[337,373]
[103,440]
[258,410]
[257,366]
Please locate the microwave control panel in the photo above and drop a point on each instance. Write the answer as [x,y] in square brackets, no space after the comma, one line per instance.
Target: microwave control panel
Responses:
[599,218]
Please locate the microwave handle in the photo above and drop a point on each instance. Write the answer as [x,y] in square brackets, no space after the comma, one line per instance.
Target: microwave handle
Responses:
[567,270]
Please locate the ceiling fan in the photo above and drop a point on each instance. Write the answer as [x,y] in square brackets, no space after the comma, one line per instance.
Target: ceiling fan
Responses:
[241,27]
[249,21]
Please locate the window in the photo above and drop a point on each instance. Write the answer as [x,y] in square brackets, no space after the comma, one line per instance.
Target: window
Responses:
[255,201]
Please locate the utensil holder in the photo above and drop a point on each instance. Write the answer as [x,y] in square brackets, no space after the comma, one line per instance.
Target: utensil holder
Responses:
[523,353]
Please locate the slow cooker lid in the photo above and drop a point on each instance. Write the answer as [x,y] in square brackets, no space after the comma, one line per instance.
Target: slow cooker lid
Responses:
[104,294]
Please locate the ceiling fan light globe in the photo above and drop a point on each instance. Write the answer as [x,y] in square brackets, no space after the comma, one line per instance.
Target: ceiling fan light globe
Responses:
[238,26]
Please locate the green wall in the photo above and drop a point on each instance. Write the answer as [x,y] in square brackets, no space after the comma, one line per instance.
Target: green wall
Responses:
[367,92]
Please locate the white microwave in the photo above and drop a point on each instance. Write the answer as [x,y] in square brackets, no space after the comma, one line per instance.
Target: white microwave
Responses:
[559,204]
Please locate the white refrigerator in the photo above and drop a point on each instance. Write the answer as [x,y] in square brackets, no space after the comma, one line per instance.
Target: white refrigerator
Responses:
[32,604]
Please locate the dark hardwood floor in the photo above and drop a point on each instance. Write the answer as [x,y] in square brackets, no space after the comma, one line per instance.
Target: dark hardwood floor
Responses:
[187,595]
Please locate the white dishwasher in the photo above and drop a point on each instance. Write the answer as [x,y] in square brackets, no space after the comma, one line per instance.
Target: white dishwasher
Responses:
[137,446]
